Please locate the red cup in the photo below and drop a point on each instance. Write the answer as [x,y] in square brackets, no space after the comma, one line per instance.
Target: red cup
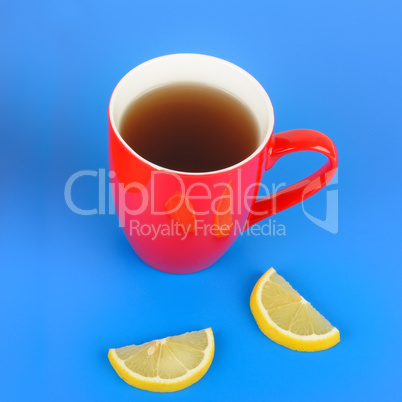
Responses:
[182,222]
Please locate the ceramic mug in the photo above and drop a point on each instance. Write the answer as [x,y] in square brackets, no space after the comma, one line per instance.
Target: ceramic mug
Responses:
[183,222]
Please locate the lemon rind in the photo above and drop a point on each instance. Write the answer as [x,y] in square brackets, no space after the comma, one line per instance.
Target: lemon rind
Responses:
[302,343]
[157,384]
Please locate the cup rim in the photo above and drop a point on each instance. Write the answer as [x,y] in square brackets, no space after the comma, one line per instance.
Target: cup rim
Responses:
[267,101]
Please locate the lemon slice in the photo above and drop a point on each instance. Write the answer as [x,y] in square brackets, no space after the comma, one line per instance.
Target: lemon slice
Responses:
[165,365]
[287,318]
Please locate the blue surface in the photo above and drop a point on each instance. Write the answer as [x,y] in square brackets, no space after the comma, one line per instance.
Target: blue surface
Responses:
[71,287]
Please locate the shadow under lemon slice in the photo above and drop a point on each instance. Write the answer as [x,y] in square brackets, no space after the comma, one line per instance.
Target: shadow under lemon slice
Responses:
[165,365]
[287,318]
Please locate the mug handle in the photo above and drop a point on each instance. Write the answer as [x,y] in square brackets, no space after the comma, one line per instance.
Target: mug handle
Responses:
[285,143]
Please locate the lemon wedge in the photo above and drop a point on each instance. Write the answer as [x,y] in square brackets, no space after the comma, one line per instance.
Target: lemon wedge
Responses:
[165,365]
[287,318]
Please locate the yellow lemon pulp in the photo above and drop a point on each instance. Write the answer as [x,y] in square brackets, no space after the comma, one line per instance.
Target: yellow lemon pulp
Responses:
[287,318]
[165,365]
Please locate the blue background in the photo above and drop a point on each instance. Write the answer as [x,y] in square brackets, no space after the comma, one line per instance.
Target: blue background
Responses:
[71,287]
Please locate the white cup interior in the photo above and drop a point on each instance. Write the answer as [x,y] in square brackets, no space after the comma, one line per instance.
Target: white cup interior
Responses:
[198,69]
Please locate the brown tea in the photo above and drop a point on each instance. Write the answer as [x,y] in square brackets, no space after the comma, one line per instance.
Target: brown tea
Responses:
[190,128]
